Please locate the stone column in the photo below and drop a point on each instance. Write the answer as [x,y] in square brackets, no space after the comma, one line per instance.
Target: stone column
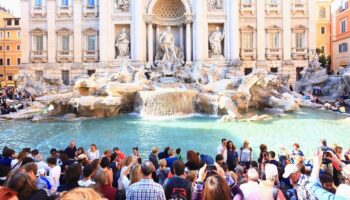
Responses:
[200,30]
[105,30]
[25,35]
[77,13]
[312,24]
[181,37]
[234,29]
[287,32]
[188,43]
[138,28]
[150,42]
[260,17]
[51,31]
[157,36]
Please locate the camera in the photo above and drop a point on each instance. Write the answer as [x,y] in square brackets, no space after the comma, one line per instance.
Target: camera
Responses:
[211,168]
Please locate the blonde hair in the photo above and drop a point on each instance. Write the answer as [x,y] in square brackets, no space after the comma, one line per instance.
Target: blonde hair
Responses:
[162,163]
[82,194]
[245,144]
[135,174]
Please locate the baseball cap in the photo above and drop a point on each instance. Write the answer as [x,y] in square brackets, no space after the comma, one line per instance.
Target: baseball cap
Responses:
[290,169]
[271,170]
[82,156]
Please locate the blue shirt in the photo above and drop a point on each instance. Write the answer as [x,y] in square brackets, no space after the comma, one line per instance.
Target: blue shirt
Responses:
[6,161]
[170,161]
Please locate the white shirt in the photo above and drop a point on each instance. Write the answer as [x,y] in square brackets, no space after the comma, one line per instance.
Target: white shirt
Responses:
[86,183]
[250,188]
[343,191]
[93,155]
[43,165]
[55,174]
[13,163]
[123,181]
[223,151]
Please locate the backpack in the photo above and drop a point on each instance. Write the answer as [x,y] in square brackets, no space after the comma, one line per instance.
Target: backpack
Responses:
[178,194]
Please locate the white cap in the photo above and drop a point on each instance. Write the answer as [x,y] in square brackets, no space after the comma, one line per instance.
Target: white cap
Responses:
[41,171]
[290,169]
[82,156]
[271,170]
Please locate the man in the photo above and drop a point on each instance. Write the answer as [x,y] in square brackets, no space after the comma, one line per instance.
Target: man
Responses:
[251,189]
[146,188]
[177,186]
[267,189]
[120,154]
[87,173]
[39,160]
[31,169]
[171,159]
[297,180]
[327,182]
[55,172]
[272,160]
[71,150]
[222,149]
[219,159]
[153,157]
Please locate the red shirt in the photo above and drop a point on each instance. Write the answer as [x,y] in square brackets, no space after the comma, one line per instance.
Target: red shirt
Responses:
[121,156]
[109,192]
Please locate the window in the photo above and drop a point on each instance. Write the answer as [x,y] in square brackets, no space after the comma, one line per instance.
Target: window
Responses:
[9,22]
[1,61]
[8,61]
[1,48]
[39,45]
[7,47]
[65,77]
[91,43]
[343,26]
[247,71]
[64,3]
[323,30]
[18,34]
[1,75]
[322,13]
[91,3]
[299,70]
[38,3]
[8,34]
[299,39]
[248,40]
[274,69]
[18,47]
[65,43]
[18,61]
[9,78]
[17,22]
[274,40]
[343,47]
[344,5]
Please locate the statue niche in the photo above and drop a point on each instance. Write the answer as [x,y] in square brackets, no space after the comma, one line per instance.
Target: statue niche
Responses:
[169,57]
[122,45]
[215,43]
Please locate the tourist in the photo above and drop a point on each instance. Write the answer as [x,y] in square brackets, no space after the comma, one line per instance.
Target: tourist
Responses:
[71,150]
[271,159]
[26,189]
[263,156]
[66,160]
[135,152]
[192,176]
[31,170]
[106,190]
[164,154]
[327,182]
[124,181]
[347,155]
[192,161]
[8,194]
[231,180]
[222,149]
[33,153]
[71,178]
[268,188]
[232,156]
[27,160]
[153,157]
[83,160]
[87,174]
[171,158]
[39,161]
[298,181]
[93,153]
[80,151]
[163,171]
[107,153]
[140,190]
[212,187]
[135,174]
[55,154]
[7,156]
[82,193]
[245,156]
[178,154]
[251,188]
[55,172]
[45,182]
[241,176]
[105,167]
[296,152]
[219,159]
[16,163]
[178,187]
[121,155]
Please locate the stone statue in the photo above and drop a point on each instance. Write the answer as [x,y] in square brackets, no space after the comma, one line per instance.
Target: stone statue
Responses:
[122,45]
[215,43]
[215,4]
[167,44]
[122,5]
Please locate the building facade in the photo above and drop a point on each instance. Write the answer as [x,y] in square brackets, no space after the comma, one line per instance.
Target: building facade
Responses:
[68,38]
[10,46]
[340,34]
[323,27]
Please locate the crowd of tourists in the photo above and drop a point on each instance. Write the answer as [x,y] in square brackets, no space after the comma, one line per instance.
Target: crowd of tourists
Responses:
[12,100]
[338,105]
[76,173]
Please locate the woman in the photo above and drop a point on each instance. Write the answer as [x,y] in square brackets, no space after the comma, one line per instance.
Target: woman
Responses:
[232,156]
[192,160]
[93,153]
[82,193]
[246,155]
[263,158]
[8,194]
[16,163]
[135,174]
[26,189]
[108,171]
[71,178]
[80,151]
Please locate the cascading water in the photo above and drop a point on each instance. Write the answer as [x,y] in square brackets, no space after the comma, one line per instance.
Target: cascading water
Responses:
[214,102]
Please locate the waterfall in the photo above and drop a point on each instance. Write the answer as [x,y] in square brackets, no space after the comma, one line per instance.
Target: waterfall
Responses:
[214,102]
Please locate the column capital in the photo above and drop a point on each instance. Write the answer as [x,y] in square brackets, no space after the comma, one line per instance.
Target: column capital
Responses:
[148,19]
[188,18]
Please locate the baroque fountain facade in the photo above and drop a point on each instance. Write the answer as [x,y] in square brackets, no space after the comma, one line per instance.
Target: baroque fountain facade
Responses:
[163,57]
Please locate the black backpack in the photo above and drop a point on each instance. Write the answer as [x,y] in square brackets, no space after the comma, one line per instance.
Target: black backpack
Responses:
[178,194]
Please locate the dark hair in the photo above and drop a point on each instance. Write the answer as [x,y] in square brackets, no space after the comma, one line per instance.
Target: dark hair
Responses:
[216,188]
[233,145]
[30,167]
[7,153]
[263,147]
[135,148]
[326,178]
[73,174]
[179,167]
[82,150]
[297,145]
[115,149]
[254,164]
[27,160]
[219,157]
[104,162]
[166,150]
[223,139]
[147,168]
[27,149]
[52,151]
[52,161]
[34,152]
[178,151]
[272,154]
[193,158]
[113,156]
[88,170]
[22,184]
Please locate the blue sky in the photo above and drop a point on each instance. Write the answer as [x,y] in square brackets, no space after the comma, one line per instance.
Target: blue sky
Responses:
[13,5]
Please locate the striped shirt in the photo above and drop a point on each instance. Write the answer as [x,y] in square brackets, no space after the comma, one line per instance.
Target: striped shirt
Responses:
[145,189]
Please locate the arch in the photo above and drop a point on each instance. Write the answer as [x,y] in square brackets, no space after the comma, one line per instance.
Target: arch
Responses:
[151,4]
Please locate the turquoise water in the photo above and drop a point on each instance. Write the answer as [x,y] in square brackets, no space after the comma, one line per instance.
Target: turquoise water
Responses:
[201,134]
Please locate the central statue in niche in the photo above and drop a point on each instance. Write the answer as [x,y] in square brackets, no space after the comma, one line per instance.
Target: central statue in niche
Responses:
[169,57]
